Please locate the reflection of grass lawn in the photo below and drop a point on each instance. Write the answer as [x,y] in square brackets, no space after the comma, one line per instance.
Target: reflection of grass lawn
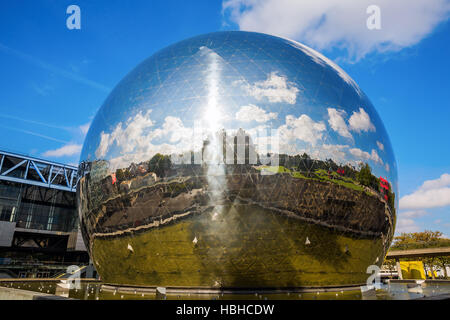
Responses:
[343,181]
[274,169]
[281,169]
[320,174]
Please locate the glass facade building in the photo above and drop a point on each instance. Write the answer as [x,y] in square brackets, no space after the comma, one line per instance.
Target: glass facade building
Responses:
[37,194]
[39,229]
[39,208]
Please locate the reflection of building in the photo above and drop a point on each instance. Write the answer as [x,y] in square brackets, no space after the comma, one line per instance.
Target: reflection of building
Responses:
[384,188]
[38,219]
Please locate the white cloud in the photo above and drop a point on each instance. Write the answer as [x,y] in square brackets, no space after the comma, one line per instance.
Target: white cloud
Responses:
[426,199]
[341,23]
[380,146]
[254,113]
[413,214]
[431,194]
[275,88]
[406,222]
[302,128]
[406,225]
[66,150]
[442,181]
[337,122]
[360,121]
[364,155]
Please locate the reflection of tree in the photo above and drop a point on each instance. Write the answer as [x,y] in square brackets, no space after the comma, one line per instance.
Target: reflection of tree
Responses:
[160,164]
[123,174]
[239,149]
[366,178]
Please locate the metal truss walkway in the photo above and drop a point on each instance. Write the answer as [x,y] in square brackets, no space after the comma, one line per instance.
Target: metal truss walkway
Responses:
[37,172]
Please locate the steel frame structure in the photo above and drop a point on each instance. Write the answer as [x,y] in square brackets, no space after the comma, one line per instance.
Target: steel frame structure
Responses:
[50,174]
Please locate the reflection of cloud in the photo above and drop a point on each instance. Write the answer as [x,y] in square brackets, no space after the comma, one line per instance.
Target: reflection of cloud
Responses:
[254,113]
[135,139]
[67,150]
[320,59]
[302,128]
[360,121]
[126,136]
[336,152]
[432,193]
[380,146]
[404,22]
[258,131]
[364,155]
[337,122]
[307,130]
[275,89]
[174,129]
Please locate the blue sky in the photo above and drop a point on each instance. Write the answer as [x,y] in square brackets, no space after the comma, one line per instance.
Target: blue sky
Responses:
[54,79]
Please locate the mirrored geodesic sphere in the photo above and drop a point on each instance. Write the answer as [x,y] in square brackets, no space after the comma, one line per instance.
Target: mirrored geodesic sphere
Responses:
[237,159]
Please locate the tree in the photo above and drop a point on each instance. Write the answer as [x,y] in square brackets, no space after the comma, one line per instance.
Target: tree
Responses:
[429,263]
[443,262]
[390,265]
[425,239]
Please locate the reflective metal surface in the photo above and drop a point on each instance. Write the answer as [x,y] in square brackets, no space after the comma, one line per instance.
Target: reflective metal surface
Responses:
[237,159]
